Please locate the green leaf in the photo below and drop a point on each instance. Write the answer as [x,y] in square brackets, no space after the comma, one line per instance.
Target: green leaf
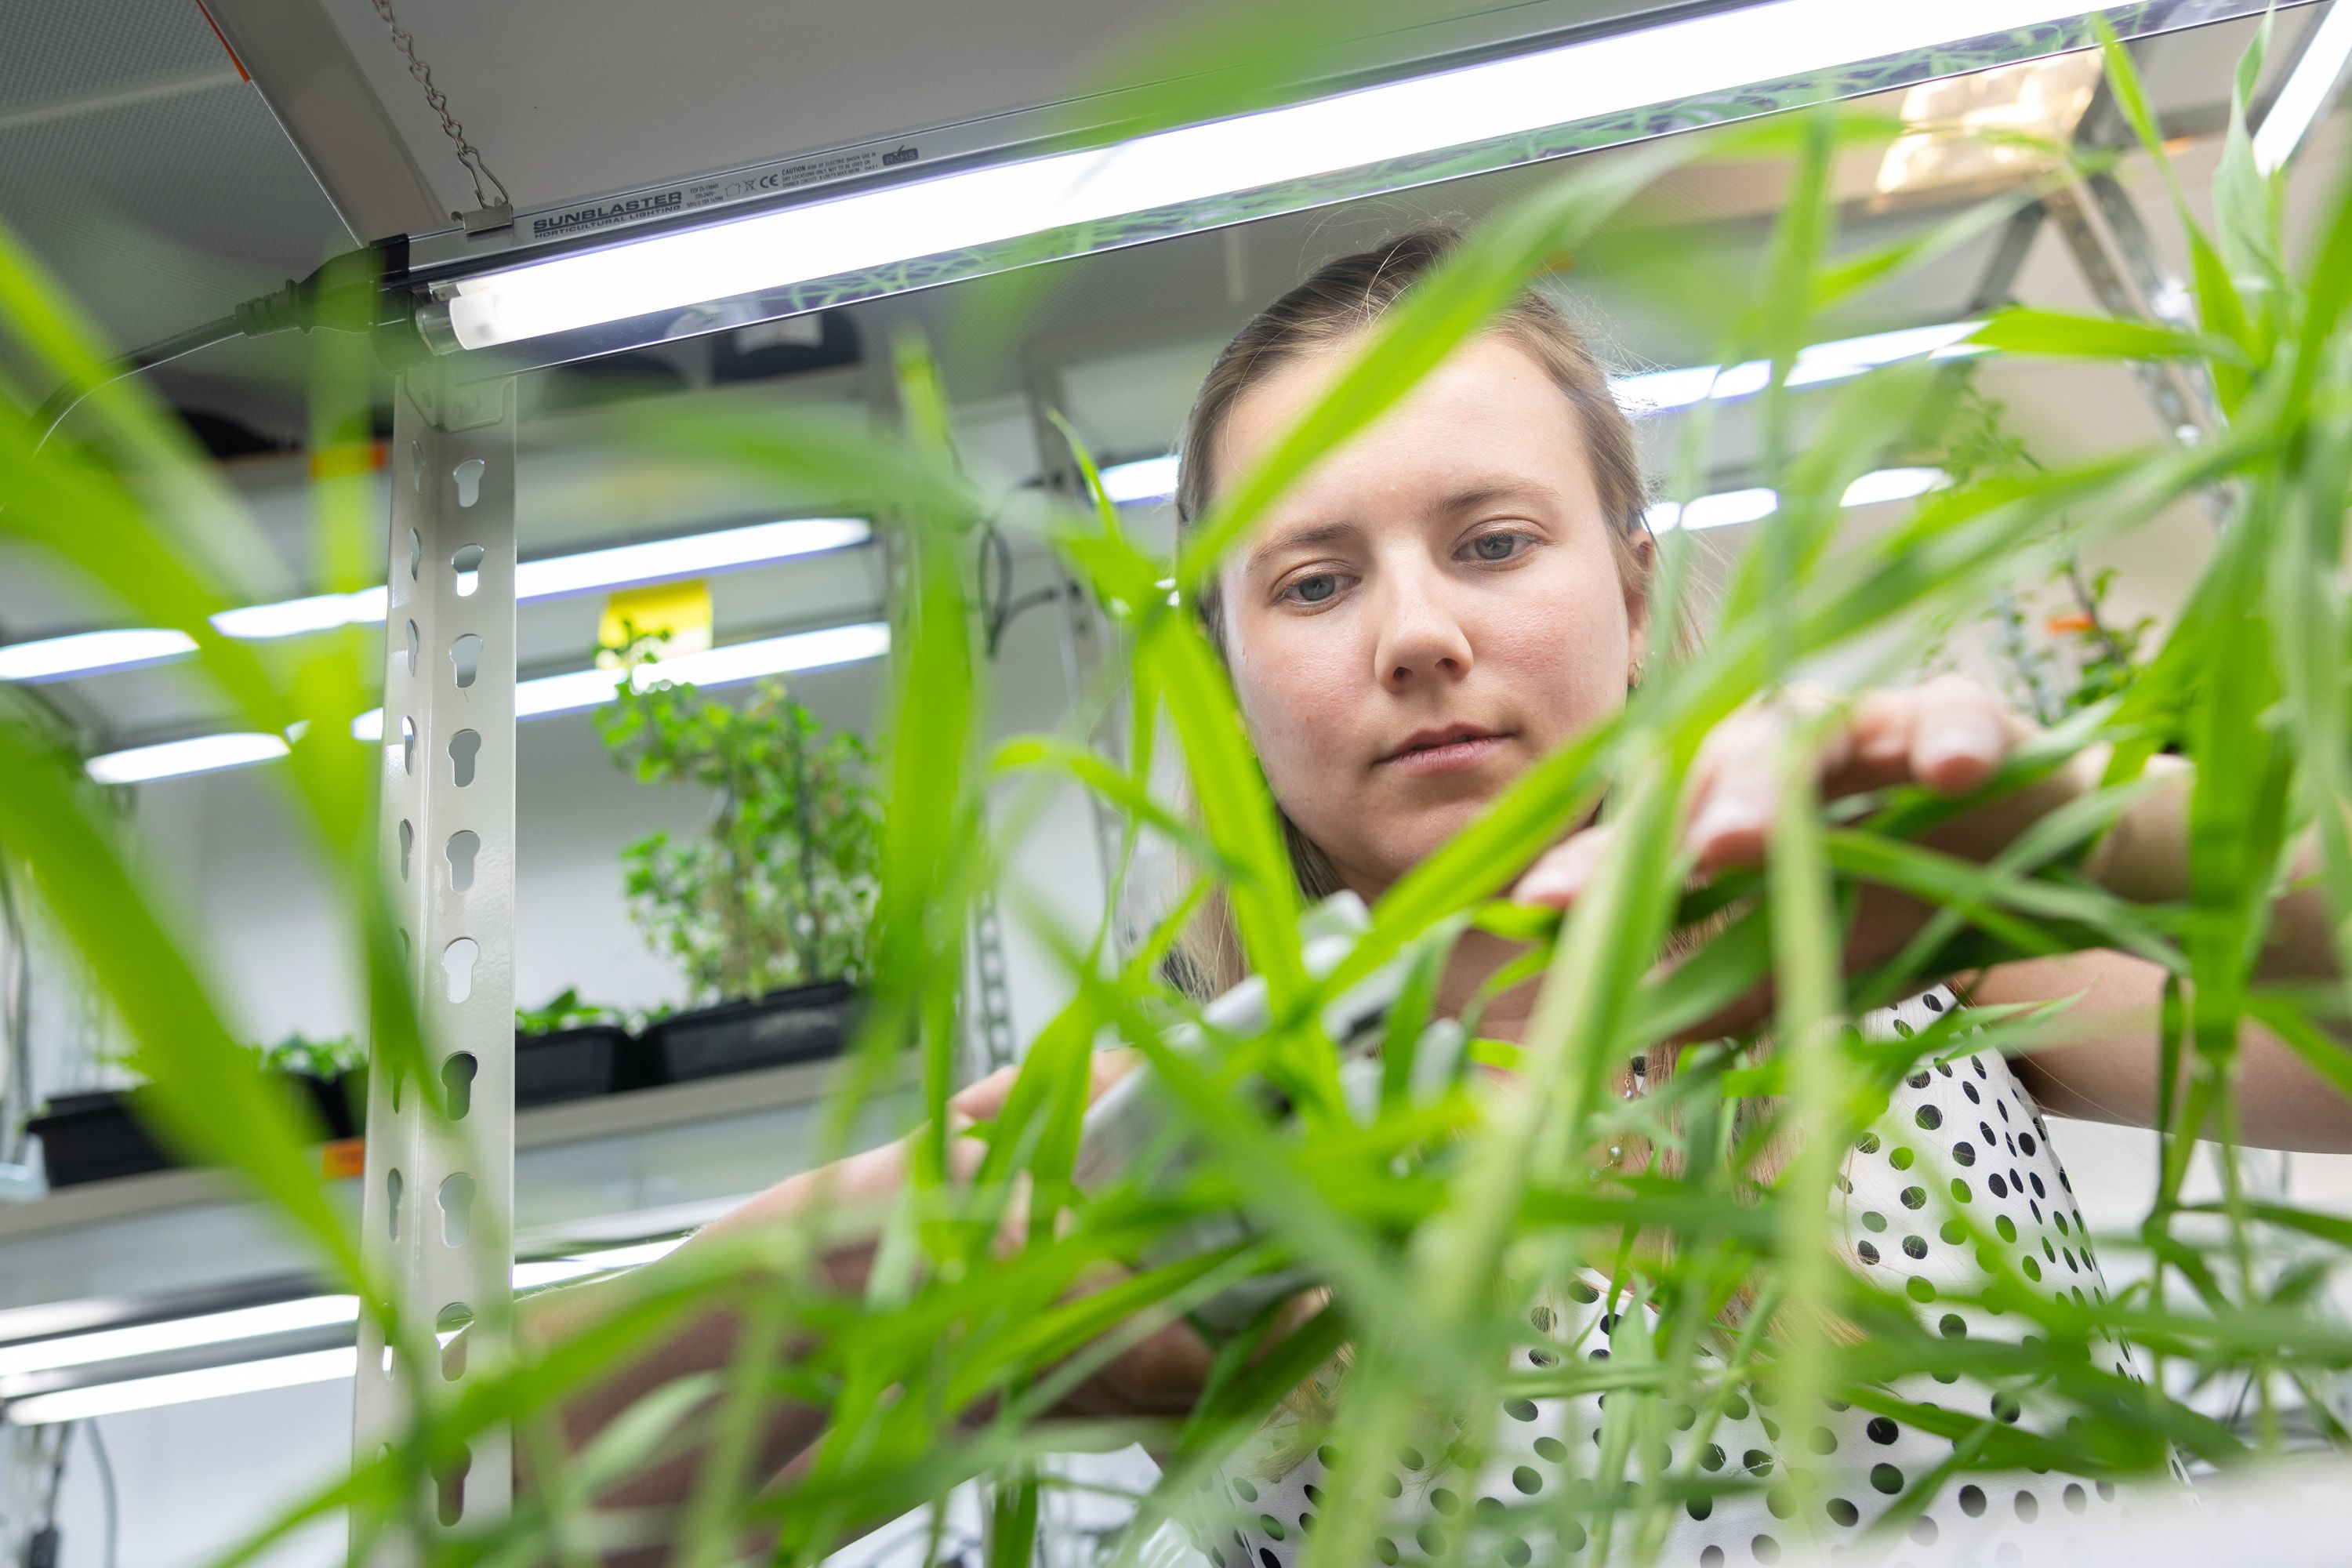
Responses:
[2059,335]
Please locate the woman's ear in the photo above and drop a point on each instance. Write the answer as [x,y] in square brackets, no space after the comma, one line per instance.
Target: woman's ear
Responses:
[1642,547]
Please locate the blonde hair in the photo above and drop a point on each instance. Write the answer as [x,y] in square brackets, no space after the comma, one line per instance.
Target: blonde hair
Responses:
[1340,301]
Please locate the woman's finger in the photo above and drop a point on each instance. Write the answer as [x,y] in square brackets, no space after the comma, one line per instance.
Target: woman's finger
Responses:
[1959,735]
[981,1100]
[1563,870]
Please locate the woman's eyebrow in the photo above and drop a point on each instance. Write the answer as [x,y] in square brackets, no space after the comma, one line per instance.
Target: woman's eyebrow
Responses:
[1486,492]
[1300,538]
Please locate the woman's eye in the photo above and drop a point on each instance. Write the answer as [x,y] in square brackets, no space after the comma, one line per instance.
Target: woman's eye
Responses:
[1497,546]
[1316,589]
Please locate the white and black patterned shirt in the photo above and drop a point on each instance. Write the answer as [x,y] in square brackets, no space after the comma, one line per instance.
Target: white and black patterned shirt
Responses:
[1959,1136]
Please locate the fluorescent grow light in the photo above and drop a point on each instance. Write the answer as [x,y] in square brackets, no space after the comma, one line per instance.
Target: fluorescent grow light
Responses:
[226,1328]
[1650,391]
[182,1387]
[581,689]
[2309,90]
[1145,479]
[180,1333]
[1470,104]
[1664,391]
[695,555]
[1725,508]
[178,759]
[556,577]
[536,698]
[83,653]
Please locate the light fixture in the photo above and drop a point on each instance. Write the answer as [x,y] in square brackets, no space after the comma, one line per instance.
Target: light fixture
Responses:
[176,1334]
[108,1398]
[555,577]
[2309,89]
[1652,391]
[1726,50]
[583,688]
[82,653]
[1882,485]
[1664,391]
[693,555]
[294,618]
[1723,508]
[182,1387]
[179,759]
[1145,479]
[1720,510]
[536,698]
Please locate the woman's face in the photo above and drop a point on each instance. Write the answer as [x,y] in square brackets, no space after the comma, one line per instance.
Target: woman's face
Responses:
[1433,608]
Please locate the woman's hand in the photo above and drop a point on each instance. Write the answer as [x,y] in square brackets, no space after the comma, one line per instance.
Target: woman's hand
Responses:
[1949,734]
[1162,1374]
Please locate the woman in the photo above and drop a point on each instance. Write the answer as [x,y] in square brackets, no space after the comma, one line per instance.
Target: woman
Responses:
[1438,604]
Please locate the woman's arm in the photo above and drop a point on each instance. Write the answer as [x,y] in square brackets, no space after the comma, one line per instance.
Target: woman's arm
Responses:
[2101,1064]
[1163,1375]
[1951,735]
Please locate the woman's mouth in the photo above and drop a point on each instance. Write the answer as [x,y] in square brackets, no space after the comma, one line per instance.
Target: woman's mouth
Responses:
[1455,749]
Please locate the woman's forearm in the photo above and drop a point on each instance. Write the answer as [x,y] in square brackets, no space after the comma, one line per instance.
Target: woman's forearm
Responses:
[2147,859]
[709,1341]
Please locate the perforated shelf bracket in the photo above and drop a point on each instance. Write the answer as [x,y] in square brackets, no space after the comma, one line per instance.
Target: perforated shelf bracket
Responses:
[439,1205]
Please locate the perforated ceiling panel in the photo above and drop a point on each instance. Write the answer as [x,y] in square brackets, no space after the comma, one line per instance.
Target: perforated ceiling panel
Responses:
[142,170]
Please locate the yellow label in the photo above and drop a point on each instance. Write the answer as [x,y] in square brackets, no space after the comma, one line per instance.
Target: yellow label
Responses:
[680,609]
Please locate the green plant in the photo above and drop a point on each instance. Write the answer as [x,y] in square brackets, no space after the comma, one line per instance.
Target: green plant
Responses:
[780,890]
[1431,1221]
[2062,651]
[564,1010]
[320,1058]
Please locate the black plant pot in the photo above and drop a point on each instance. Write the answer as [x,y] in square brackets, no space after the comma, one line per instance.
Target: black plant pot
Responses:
[93,1137]
[341,1101]
[99,1135]
[569,1064]
[806,1023]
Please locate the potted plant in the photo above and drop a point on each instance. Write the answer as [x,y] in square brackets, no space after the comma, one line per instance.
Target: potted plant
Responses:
[569,1049]
[2060,648]
[768,911]
[95,1135]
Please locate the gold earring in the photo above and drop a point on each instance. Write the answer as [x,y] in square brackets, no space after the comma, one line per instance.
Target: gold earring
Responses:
[1634,679]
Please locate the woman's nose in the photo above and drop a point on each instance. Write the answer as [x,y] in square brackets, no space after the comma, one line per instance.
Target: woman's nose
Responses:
[1419,637]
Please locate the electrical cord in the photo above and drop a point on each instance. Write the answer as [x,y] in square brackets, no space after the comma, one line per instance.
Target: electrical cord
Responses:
[15,1026]
[347,288]
[996,604]
[66,399]
[41,1544]
[105,1485]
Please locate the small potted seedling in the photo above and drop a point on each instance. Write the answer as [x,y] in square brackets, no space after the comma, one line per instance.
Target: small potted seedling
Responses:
[569,1049]
[768,911]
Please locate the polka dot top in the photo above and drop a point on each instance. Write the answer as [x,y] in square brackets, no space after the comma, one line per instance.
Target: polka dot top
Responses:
[1959,1136]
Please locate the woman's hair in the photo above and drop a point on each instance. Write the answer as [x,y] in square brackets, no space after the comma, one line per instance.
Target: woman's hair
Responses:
[1341,301]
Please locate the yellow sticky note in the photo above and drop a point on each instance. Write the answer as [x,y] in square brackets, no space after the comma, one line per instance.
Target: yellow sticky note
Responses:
[680,609]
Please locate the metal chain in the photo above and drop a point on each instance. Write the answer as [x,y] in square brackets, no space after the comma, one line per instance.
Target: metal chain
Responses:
[467,154]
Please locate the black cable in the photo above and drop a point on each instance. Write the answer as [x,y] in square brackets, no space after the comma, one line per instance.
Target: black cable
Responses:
[66,399]
[348,290]
[15,1028]
[105,1485]
[57,1478]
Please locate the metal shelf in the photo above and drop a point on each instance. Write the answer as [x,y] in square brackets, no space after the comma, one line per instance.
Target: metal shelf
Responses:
[595,1172]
